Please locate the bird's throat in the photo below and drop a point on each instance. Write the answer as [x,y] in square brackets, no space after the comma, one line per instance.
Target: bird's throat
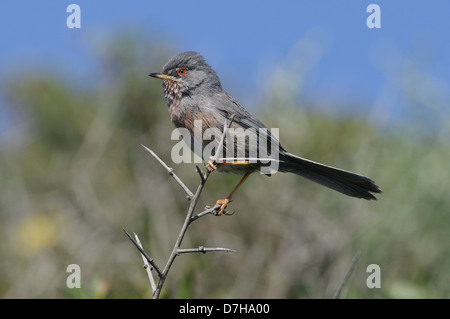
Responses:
[172,91]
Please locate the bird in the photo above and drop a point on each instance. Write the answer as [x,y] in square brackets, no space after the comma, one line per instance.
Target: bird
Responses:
[196,101]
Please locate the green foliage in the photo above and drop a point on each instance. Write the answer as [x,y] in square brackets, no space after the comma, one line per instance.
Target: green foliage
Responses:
[75,175]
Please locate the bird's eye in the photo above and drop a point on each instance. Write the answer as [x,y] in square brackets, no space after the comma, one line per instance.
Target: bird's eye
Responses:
[181,71]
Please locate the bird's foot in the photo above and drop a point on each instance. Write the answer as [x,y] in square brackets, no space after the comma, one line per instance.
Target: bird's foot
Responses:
[223,204]
[211,165]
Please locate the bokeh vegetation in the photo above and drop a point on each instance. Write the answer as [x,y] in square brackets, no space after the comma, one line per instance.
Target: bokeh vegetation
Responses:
[73,175]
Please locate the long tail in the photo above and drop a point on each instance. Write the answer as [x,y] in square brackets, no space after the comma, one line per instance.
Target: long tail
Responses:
[346,182]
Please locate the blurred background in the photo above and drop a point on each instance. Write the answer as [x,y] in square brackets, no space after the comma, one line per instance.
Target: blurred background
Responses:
[75,105]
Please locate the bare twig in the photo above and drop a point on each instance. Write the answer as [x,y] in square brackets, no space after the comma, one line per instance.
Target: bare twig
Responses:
[171,172]
[202,249]
[190,217]
[208,210]
[347,275]
[199,171]
[147,266]
[147,257]
[219,149]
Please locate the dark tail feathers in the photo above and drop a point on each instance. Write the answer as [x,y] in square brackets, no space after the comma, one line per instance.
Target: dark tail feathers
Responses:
[348,183]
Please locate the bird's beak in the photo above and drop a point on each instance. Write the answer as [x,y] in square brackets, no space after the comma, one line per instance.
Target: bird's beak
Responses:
[159,76]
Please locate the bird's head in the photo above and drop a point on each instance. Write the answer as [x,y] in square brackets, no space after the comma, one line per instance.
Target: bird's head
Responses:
[185,74]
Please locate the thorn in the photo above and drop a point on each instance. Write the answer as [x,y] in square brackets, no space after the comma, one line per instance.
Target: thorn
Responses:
[199,171]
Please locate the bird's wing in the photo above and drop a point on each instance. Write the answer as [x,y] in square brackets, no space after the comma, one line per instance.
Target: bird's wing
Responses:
[226,105]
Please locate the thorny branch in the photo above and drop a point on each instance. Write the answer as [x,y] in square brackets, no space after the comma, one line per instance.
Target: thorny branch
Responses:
[171,173]
[147,264]
[190,217]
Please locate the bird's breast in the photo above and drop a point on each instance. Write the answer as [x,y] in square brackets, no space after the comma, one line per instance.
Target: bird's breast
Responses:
[177,115]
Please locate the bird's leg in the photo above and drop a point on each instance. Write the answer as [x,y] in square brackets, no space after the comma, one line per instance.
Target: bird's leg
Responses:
[224,202]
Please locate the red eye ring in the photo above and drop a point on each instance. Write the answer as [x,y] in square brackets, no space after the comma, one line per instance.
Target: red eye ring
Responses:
[181,71]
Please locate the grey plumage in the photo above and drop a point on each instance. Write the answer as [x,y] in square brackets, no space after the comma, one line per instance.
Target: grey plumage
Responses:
[193,91]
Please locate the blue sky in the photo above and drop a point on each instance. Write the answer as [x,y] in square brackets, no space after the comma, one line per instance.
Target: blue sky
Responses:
[243,40]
